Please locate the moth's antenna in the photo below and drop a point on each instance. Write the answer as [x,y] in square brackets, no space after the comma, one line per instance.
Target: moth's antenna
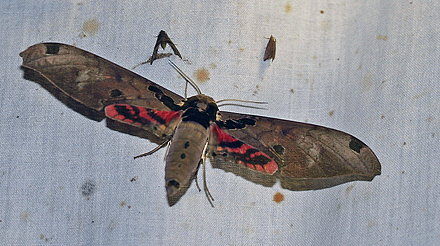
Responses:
[185,77]
[238,100]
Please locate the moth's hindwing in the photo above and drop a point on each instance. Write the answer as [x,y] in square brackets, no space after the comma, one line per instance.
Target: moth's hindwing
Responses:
[309,157]
[159,123]
[241,153]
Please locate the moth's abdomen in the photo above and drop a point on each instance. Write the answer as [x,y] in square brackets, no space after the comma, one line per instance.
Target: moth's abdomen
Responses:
[183,158]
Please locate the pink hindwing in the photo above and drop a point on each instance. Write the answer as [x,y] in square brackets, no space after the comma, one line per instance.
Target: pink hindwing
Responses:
[158,121]
[243,154]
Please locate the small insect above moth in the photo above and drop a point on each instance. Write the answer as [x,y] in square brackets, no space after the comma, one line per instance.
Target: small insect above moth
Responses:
[260,149]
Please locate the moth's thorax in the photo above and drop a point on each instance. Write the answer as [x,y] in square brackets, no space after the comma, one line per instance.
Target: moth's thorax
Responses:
[201,109]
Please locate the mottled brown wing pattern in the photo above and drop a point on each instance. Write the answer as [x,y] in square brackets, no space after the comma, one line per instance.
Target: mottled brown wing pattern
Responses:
[94,81]
[308,156]
[87,83]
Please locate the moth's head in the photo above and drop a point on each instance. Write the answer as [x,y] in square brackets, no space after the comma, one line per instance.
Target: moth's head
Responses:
[202,102]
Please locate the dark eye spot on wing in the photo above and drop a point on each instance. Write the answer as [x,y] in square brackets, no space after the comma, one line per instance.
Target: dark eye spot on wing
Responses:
[115,93]
[52,49]
[88,188]
[279,149]
[186,144]
[182,156]
[356,145]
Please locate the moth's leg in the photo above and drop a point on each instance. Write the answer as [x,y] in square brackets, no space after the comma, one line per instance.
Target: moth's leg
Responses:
[168,148]
[195,175]
[205,187]
[155,149]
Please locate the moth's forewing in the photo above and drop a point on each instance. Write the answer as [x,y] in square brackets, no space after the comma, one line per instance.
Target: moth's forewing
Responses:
[94,81]
[87,83]
[309,157]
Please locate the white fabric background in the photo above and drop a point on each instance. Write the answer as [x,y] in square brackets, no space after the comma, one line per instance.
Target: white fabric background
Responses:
[374,64]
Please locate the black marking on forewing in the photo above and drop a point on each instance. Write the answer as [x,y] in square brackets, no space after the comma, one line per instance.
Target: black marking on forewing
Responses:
[115,93]
[236,123]
[279,149]
[166,100]
[52,48]
[154,89]
[356,145]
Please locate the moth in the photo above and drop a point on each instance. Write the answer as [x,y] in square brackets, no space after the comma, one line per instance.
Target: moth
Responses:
[271,48]
[163,40]
[260,149]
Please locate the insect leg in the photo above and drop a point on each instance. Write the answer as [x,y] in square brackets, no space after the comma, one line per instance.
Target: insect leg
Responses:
[155,149]
[205,187]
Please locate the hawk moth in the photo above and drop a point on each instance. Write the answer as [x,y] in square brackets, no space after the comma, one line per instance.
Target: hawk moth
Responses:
[260,149]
